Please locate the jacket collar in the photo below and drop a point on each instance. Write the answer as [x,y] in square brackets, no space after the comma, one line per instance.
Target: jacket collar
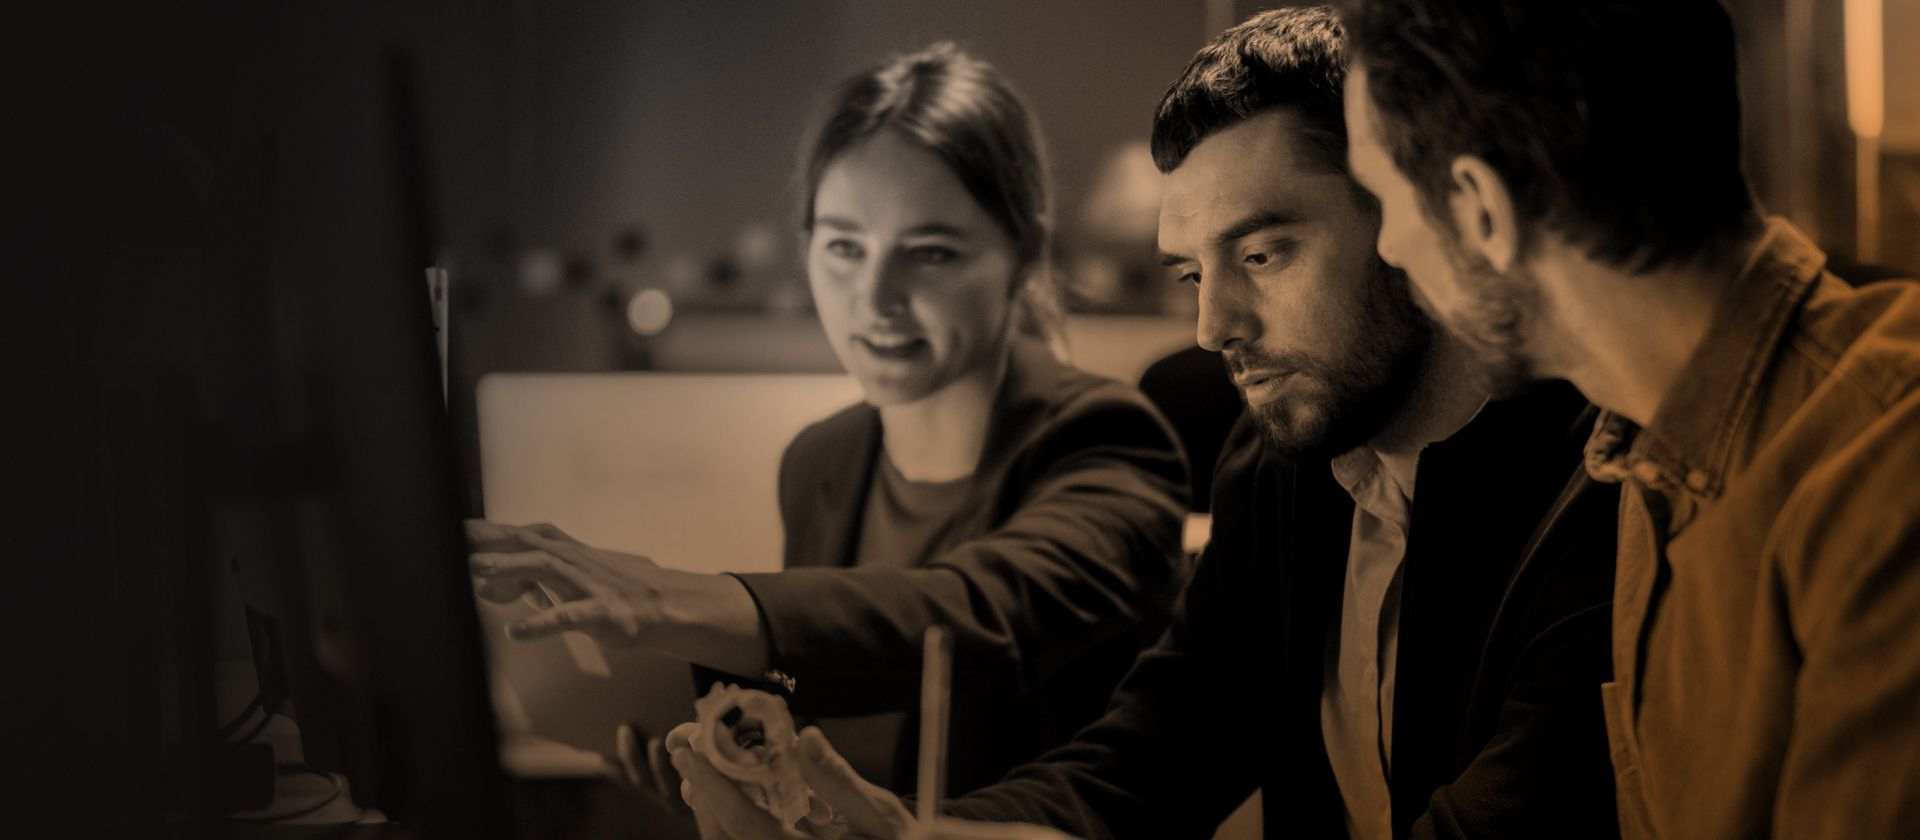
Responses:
[1690,439]
[1026,397]
[1023,400]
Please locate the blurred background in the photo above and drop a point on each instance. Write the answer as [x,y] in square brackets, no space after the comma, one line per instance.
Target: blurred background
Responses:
[651,148]
[625,173]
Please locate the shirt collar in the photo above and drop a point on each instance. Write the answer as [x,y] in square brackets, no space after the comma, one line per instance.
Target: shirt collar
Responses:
[1369,481]
[1690,439]
[1358,469]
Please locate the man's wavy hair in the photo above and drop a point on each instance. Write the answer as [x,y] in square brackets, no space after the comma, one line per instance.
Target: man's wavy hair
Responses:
[1291,58]
[1615,123]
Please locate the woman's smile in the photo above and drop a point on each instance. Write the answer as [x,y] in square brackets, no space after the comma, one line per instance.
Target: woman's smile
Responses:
[894,346]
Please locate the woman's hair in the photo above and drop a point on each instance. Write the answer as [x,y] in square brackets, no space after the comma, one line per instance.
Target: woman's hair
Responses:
[962,111]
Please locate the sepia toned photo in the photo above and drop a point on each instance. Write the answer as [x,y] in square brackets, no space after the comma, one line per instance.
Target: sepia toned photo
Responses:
[966,420]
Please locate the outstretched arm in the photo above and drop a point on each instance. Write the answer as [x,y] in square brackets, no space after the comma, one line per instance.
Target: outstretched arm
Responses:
[619,599]
[1090,554]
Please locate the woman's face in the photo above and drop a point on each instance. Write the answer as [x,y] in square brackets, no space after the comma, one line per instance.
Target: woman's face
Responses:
[912,279]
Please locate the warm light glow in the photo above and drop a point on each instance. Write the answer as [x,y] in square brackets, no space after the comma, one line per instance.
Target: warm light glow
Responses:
[649,311]
[1866,67]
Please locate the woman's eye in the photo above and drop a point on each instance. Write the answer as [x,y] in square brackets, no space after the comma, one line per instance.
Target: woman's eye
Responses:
[1191,278]
[932,254]
[845,249]
[1258,258]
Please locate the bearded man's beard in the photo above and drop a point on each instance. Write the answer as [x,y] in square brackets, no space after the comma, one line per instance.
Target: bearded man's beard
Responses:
[1339,402]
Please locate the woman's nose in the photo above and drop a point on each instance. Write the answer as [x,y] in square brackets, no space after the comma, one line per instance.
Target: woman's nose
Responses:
[885,289]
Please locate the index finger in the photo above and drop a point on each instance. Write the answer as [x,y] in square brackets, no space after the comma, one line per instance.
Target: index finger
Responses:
[492,536]
[559,547]
[504,578]
[526,568]
[546,530]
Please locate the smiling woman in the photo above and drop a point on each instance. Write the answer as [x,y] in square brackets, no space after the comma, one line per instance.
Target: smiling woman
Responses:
[981,484]
[914,282]
[928,224]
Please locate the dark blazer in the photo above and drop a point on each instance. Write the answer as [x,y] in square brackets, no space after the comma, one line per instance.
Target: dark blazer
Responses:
[1062,564]
[1503,647]
[1192,388]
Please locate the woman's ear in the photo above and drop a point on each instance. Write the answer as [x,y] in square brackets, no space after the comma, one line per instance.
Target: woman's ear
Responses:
[1484,214]
[1038,310]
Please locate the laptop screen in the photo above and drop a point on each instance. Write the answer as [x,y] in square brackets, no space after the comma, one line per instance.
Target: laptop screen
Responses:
[680,468]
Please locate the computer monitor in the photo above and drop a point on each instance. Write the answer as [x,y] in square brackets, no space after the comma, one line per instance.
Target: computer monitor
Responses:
[346,533]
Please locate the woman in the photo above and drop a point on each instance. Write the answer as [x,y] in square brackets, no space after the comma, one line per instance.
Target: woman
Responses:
[982,485]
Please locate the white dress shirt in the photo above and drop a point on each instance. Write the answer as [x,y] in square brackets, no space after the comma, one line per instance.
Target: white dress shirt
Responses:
[1356,699]
[1356,696]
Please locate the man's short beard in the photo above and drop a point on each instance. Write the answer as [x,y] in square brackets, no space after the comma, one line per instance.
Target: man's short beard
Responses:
[1493,321]
[1383,350]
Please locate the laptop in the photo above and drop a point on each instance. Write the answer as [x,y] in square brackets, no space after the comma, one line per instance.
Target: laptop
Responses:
[680,468]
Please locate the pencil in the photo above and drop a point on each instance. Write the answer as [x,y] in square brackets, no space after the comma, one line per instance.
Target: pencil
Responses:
[936,689]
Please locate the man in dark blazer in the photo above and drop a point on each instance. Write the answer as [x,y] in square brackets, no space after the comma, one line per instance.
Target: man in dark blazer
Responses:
[1400,626]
